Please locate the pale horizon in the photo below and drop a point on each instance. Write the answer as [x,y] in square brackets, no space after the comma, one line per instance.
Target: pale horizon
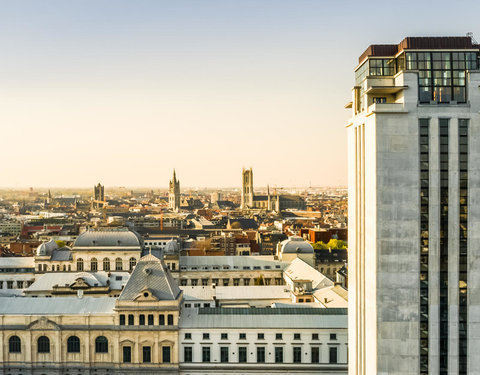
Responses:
[124,93]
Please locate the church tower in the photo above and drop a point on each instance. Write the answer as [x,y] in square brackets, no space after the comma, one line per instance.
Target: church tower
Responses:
[247,188]
[99,195]
[174,193]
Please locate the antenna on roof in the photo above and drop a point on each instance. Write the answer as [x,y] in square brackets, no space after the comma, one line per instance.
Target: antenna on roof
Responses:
[470,34]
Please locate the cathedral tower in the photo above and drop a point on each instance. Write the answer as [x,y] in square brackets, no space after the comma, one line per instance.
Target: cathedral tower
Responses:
[174,193]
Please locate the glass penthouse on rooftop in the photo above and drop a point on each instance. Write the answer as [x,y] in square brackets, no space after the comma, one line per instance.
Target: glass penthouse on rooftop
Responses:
[442,65]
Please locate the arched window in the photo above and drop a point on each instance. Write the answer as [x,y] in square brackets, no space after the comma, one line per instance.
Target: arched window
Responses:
[43,344]
[58,267]
[106,264]
[101,344]
[118,264]
[73,344]
[79,264]
[14,344]
[64,267]
[132,263]
[69,267]
[94,264]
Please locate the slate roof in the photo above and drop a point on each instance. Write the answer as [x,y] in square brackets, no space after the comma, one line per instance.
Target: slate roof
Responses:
[150,273]
[55,306]
[108,238]
[62,254]
[264,318]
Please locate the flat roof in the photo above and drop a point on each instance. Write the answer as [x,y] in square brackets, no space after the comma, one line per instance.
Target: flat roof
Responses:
[427,43]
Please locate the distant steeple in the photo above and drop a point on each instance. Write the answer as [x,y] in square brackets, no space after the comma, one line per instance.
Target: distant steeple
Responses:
[174,193]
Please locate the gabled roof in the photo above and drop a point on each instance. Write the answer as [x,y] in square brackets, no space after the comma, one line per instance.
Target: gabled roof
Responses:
[150,276]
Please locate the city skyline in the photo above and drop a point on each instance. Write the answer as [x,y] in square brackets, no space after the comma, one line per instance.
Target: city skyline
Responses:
[125,94]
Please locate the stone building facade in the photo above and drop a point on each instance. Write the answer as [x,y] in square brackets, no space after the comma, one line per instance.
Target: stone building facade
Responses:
[414,247]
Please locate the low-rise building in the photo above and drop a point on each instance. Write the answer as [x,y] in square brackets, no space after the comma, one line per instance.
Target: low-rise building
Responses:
[16,274]
[263,340]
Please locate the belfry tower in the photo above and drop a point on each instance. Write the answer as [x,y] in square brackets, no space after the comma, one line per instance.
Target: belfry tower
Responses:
[174,193]
[247,188]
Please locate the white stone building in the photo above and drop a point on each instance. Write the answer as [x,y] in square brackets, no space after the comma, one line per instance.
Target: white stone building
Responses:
[16,274]
[263,340]
[414,209]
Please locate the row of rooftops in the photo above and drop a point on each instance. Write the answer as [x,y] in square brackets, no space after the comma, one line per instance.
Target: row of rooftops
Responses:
[420,43]
[191,318]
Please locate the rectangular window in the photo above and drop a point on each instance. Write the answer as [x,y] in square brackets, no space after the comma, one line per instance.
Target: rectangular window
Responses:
[242,336]
[333,336]
[131,320]
[188,336]
[463,247]
[332,354]
[141,320]
[206,336]
[296,336]
[166,354]
[315,354]
[278,336]
[224,336]
[161,320]
[147,354]
[9,284]
[187,354]
[224,354]
[242,354]
[260,336]
[424,147]
[278,354]
[122,319]
[127,354]
[150,319]
[297,354]
[444,256]
[314,336]
[260,354]
[170,319]
[206,354]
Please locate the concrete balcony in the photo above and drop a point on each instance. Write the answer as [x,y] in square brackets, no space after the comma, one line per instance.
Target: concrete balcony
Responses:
[386,108]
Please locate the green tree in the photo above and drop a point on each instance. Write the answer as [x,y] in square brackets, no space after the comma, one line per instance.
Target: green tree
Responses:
[320,245]
[61,243]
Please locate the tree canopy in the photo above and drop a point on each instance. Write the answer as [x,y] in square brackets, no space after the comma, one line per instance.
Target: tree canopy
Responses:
[332,244]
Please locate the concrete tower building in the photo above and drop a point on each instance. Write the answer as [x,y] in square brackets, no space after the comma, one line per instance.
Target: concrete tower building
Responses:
[247,188]
[414,209]
[174,193]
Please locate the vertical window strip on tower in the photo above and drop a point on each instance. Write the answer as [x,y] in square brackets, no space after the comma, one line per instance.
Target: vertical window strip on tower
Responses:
[463,249]
[424,147]
[444,326]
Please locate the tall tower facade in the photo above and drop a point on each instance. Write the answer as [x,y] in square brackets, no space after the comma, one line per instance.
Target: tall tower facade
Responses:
[414,209]
[174,193]
[99,195]
[247,188]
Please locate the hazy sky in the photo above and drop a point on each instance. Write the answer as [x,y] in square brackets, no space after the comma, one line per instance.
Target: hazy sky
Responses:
[122,92]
